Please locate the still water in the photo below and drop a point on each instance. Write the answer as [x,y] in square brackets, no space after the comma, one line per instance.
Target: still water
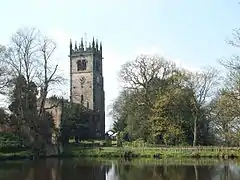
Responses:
[72,169]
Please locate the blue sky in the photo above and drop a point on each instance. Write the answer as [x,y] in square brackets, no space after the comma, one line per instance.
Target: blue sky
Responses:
[190,32]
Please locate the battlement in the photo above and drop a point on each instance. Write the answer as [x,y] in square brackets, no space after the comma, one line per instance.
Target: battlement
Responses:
[92,47]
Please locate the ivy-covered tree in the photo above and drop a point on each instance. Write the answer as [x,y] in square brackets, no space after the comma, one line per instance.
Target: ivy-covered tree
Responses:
[34,129]
[23,99]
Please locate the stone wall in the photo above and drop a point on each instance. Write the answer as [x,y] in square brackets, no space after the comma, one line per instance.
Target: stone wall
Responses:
[55,111]
[84,87]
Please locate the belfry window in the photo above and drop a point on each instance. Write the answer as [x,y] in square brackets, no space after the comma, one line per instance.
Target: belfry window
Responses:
[81,65]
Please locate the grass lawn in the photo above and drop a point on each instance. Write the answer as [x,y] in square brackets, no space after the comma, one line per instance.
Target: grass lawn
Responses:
[95,149]
[154,152]
[16,155]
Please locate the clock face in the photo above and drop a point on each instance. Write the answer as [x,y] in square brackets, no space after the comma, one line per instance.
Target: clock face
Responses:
[82,80]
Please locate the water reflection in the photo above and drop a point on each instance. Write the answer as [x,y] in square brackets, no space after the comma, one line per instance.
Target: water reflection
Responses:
[71,169]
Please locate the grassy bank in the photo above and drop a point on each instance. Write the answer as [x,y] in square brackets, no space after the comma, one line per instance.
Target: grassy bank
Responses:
[11,147]
[15,155]
[152,161]
[149,152]
[136,152]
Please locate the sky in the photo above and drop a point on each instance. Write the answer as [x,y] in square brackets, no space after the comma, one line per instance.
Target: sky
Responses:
[190,32]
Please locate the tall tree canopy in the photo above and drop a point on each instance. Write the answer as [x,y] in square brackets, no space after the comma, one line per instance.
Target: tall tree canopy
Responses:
[162,103]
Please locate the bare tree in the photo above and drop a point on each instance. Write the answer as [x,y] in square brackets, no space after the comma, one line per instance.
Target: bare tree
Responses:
[3,71]
[204,85]
[144,74]
[30,55]
[143,70]
[23,53]
[49,76]
[232,64]
[231,93]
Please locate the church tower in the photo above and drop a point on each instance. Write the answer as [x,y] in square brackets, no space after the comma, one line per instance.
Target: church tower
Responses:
[86,81]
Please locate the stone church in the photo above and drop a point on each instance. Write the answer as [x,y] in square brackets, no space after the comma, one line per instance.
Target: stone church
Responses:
[86,82]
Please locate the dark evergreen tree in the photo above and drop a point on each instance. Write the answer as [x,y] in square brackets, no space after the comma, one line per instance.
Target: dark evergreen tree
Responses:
[74,123]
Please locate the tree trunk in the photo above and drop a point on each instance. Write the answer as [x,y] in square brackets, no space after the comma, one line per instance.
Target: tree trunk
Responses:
[195,131]
[226,171]
[196,172]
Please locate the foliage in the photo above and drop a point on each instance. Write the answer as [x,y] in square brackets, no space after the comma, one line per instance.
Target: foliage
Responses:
[24,100]
[172,116]
[74,123]
[10,143]
[26,71]
[35,130]
[159,104]
[163,104]
[226,119]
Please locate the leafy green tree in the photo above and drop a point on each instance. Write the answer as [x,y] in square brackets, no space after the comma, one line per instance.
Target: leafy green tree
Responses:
[226,119]
[160,102]
[36,130]
[123,111]
[74,123]
[172,117]
[142,80]
[24,100]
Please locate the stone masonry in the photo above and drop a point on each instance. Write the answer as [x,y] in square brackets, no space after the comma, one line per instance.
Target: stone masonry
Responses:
[86,81]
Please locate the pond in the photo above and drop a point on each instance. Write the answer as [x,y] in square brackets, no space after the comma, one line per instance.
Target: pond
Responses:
[75,169]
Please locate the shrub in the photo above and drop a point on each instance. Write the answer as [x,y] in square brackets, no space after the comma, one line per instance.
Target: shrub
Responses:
[10,143]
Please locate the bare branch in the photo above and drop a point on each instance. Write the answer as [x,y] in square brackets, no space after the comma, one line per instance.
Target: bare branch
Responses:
[49,77]
[236,38]
[143,70]
[53,106]
[30,55]
[204,83]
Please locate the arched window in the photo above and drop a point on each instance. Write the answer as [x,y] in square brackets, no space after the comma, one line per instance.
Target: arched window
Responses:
[81,65]
[78,65]
[84,64]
